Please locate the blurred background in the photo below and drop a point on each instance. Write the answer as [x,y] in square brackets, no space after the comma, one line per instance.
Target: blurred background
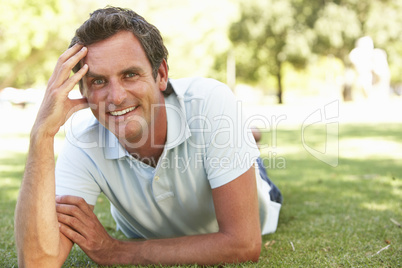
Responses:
[321,79]
[284,58]
[277,50]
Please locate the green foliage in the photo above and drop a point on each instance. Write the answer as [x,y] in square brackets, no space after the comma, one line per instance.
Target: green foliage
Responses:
[33,34]
[194,33]
[29,30]
[269,33]
[333,217]
[262,34]
[336,36]
[386,33]
[264,37]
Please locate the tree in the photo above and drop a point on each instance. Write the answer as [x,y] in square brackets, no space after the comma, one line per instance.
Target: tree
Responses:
[268,34]
[272,32]
[33,33]
[32,36]
[383,24]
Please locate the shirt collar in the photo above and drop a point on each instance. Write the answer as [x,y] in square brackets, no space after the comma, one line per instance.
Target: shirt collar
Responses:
[177,128]
[113,148]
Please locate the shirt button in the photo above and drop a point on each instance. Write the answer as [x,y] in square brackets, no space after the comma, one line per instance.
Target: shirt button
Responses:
[156,178]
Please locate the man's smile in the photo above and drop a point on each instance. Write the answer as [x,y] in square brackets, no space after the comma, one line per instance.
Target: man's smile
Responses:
[123,112]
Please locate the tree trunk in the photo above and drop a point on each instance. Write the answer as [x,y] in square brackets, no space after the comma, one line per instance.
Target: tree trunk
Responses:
[279,81]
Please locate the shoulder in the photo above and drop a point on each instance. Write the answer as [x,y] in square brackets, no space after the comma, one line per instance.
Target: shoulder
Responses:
[199,88]
[83,129]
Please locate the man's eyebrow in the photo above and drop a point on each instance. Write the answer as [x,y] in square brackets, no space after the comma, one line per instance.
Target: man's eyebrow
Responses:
[132,69]
[91,74]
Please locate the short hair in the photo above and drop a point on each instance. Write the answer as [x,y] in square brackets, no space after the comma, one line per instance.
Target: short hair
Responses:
[104,23]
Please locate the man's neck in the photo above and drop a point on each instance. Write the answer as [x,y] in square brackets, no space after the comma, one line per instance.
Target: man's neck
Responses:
[153,147]
[148,155]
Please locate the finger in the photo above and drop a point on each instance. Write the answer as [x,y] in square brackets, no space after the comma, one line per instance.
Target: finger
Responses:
[73,201]
[64,70]
[71,220]
[73,105]
[71,211]
[68,199]
[70,83]
[71,234]
[63,57]
[69,53]
[67,66]
[75,218]
[76,105]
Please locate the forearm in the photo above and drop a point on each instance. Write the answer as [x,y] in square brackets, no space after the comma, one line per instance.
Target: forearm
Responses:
[207,249]
[238,239]
[38,238]
[36,226]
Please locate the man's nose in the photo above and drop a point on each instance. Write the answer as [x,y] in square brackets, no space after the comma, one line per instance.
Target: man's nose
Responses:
[117,93]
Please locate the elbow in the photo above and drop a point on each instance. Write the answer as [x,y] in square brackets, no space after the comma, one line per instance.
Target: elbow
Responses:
[32,251]
[254,250]
[31,256]
[248,250]
[30,261]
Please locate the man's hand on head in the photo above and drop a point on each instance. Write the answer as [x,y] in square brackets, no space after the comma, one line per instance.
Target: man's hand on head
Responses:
[79,224]
[56,107]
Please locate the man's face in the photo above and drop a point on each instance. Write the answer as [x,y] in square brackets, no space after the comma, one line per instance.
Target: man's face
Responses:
[120,87]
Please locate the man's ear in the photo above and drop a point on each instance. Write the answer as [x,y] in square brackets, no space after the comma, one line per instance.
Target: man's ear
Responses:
[163,76]
[82,87]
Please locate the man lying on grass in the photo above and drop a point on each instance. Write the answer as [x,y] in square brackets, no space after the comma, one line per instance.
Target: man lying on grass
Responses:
[172,156]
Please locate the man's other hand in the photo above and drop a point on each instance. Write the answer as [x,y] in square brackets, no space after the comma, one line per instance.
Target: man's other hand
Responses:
[81,226]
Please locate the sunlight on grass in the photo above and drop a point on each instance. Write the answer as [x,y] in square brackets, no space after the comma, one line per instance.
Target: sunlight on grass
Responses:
[280,150]
[10,168]
[8,182]
[333,216]
[370,147]
[337,217]
[376,206]
[14,144]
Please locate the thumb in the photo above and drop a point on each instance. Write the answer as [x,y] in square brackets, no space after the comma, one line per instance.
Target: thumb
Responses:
[76,105]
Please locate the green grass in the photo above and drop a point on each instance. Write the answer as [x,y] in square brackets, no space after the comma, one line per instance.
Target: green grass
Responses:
[331,217]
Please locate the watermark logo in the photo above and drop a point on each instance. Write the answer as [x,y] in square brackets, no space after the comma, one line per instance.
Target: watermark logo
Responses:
[221,132]
[328,115]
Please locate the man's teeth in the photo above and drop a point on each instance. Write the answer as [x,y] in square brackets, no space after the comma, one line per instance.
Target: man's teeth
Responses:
[123,111]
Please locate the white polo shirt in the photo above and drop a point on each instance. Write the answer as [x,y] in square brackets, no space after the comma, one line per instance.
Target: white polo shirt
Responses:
[207,146]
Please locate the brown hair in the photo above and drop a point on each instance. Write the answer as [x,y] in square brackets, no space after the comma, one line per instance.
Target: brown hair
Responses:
[103,23]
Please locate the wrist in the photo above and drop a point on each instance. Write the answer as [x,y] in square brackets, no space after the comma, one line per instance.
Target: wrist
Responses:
[39,133]
[40,142]
[115,251]
[124,252]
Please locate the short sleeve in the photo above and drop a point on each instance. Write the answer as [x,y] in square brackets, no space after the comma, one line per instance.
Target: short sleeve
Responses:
[75,173]
[230,147]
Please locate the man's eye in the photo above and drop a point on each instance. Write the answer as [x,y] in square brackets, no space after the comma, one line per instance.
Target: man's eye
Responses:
[130,75]
[98,81]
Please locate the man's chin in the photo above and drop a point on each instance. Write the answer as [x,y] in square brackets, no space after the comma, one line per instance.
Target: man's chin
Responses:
[130,137]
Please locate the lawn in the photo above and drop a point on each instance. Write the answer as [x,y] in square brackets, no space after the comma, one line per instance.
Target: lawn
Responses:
[342,214]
